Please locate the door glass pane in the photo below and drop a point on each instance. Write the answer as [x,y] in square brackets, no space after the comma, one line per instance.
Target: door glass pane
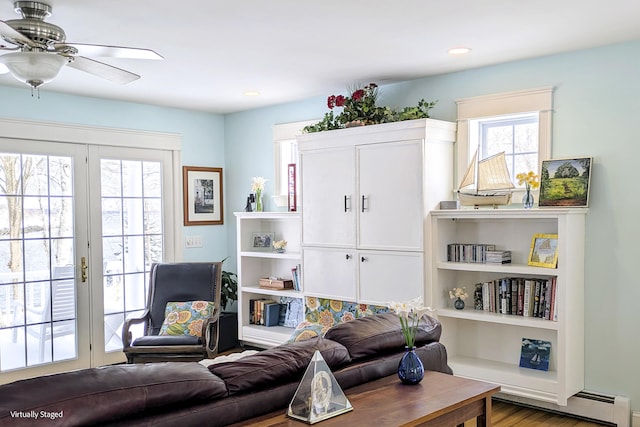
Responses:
[37,277]
[131,239]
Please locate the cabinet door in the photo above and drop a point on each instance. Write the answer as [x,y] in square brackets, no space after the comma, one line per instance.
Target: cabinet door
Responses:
[329,273]
[328,191]
[390,196]
[390,276]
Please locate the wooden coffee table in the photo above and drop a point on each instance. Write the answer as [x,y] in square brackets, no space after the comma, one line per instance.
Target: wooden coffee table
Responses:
[439,400]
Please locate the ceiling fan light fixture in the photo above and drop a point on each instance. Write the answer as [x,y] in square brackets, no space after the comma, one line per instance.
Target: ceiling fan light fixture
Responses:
[33,68]
[459,50]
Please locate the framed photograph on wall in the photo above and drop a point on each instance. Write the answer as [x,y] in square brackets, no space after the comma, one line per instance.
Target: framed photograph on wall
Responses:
[544,251]
[291,187]
[202,193]
[565,182]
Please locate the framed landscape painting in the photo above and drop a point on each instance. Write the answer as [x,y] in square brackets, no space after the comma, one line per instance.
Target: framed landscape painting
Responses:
[565,182]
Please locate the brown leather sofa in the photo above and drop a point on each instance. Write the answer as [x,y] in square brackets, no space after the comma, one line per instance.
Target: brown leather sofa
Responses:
[191,394]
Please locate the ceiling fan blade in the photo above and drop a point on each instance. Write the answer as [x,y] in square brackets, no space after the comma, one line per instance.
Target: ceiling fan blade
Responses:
[100,69]
[14,37]
[94,50]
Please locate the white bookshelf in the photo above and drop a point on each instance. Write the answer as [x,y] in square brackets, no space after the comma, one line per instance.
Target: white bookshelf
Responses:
[256,263]
[485,345]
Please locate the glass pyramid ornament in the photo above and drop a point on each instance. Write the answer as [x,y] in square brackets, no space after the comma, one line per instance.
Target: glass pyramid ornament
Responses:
[319,395]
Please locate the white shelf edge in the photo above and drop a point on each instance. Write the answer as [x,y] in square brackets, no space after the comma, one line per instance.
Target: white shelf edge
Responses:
[503,319]
[496,268]
[507,213]
[266,215]
[543,383]
[269,336]
[271,255]
[271,292]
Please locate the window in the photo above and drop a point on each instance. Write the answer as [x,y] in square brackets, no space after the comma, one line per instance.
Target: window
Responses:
[516,135]
[285,149]
[518,123]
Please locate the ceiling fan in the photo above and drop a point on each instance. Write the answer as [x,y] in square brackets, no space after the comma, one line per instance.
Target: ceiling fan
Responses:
[39,50]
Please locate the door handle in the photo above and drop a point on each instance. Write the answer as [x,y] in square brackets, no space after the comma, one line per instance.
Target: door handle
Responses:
[363,259]
[362,204]
[347,256]
[345,202]
[83,268]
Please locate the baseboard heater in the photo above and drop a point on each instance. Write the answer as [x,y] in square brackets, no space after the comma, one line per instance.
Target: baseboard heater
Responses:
[590,406]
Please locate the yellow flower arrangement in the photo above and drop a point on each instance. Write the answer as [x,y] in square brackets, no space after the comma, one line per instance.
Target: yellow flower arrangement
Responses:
[529,179]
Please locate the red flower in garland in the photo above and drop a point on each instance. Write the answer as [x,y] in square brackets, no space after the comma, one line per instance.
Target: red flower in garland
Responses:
[331,102]
[340,100]
[357,95]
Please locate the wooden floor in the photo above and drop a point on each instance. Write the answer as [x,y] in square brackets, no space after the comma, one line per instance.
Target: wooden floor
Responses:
[505,415]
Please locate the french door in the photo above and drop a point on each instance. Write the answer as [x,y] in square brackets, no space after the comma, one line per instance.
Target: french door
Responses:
[79,227]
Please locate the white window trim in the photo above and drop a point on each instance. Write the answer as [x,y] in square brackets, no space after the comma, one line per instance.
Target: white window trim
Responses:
[516,102]
[284,132]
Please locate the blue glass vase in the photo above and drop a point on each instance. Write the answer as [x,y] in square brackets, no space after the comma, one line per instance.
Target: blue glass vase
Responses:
[527,200]
[410,368]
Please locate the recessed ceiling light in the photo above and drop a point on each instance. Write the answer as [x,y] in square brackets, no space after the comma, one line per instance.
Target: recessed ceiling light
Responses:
[251,93]
[459,50]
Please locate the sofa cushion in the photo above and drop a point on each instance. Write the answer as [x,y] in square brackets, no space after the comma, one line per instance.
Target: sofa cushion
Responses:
[99,395]
[164,340]
[323,313]
[278,365]
[370,335]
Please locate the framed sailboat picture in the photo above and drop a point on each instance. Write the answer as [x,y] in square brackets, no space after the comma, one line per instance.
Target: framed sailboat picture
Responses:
[534,354]
[544,251]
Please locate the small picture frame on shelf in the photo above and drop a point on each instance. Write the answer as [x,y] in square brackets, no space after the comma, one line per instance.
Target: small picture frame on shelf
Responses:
[534,354]
[565,182]
[544,251]
[261,241]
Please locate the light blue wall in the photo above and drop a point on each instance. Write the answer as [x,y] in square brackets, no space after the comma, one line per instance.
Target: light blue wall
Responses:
[202,138]
[596,113]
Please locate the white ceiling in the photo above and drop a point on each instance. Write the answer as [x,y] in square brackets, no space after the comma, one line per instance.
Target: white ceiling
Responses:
[294,49]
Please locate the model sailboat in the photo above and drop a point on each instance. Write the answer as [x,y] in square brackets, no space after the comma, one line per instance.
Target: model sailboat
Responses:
[486,182]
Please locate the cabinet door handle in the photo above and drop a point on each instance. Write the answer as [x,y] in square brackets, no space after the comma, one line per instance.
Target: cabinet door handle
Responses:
[362,204]
[363,259]
[345,203]
[347,256]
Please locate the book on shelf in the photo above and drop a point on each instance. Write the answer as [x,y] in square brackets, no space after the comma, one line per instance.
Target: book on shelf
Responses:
[527,297]
[295,275]
[257,310]
[271,313]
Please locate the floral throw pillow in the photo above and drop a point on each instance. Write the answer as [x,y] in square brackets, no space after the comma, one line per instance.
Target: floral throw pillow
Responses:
[186,318]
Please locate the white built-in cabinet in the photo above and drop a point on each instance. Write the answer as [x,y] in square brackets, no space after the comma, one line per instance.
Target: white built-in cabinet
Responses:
[366,193]
[485,345]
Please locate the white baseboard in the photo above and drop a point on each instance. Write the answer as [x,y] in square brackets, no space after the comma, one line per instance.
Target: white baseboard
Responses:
[614,410]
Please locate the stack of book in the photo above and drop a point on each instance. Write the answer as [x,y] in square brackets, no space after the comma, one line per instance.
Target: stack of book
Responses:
[468,252]
[498,257]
